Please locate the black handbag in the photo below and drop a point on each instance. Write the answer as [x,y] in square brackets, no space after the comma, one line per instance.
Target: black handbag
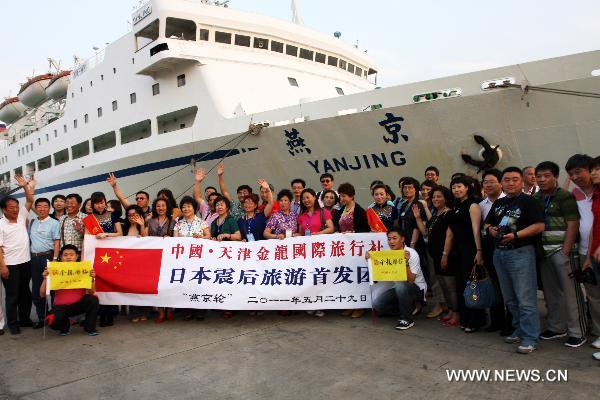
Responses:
[480,293]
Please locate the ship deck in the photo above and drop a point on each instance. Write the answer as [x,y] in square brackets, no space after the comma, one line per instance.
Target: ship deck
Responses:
[298,357]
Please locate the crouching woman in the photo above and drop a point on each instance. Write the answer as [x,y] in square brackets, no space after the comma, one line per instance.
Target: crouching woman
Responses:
[71,302]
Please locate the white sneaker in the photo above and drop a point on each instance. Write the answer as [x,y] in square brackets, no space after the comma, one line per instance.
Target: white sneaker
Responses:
[522,349]
[596,343]
[596,356]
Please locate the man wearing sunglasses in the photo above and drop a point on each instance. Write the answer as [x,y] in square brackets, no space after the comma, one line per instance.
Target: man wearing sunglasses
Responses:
[327,183]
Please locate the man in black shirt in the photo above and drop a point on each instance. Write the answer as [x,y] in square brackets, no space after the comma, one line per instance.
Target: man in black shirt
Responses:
[515,222]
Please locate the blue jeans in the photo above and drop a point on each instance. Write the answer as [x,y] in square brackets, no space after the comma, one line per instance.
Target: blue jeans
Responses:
[518,282]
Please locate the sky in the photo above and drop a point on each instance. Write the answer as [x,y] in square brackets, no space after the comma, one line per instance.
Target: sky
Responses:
[409,40]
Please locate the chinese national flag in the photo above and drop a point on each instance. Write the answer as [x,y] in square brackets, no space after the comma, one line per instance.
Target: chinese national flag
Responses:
[375,222]
[127,270]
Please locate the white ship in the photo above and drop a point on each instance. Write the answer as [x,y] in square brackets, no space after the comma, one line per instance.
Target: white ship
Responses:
[194,83]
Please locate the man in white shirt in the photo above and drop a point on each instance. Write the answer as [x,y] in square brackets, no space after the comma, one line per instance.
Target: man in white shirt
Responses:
[401,297]
[15,258]
[500,319]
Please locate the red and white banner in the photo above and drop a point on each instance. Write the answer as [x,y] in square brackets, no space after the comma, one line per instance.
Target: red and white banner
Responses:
[301,273]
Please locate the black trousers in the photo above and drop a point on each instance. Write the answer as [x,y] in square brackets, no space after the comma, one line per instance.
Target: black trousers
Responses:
[18,294]
[87,305]
[38,264]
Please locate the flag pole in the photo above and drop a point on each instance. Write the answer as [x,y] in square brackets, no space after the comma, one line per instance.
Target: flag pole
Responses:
[47,302]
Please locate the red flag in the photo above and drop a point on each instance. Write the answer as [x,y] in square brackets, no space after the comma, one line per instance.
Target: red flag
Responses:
[375,222]
[127,270]
[92,225]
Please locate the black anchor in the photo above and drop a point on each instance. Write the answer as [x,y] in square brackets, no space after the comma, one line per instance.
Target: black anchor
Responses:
[490,155]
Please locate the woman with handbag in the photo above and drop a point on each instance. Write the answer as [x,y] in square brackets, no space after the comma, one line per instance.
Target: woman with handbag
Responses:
[464,224]
[439,244]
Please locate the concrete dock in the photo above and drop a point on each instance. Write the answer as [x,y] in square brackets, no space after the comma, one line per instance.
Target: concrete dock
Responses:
[275,357]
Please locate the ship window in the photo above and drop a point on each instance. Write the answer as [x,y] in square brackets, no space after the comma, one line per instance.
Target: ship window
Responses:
[39,141]
[72,94]
[19,171]
[44,163]
[155,89]
[260,43]
[104,142]
[30,167]
[134,132]
[31,146]
[80,150]
[242,40]
[181,80]
[333,61]
[182,29]
[277,46]
[358,71]
[55,133]
[223,37]
[74,123]
[81,89]
[320,58]
[176,120]
[86,118]
[65,128]
[99,112]
[339,91]
[115,106]
[146,36]
[47,138]
[204,34]
[19,152]
[61,157]
[114,70]
[91,83]
[293,81]
[291,50]
[306,54]
[132,98]
[351,68]
[101,77]
[342,64]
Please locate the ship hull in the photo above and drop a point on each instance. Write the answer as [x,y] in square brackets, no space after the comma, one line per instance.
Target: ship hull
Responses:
[385,144]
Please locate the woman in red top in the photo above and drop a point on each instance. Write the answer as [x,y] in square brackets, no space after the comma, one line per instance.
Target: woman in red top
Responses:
[593,256]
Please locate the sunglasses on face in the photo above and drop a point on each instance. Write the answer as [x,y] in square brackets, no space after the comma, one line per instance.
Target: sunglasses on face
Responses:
[326,181]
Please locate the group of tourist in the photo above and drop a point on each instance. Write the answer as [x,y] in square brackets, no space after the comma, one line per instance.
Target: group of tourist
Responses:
[521,226]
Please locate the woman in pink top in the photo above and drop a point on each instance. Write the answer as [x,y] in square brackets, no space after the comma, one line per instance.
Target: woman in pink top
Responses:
[313,220]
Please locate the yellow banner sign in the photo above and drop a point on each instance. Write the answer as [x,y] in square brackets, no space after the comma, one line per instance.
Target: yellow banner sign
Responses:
[388,265]
[70,275]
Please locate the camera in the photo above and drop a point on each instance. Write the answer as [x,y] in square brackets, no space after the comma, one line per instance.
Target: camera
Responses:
[503,230]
